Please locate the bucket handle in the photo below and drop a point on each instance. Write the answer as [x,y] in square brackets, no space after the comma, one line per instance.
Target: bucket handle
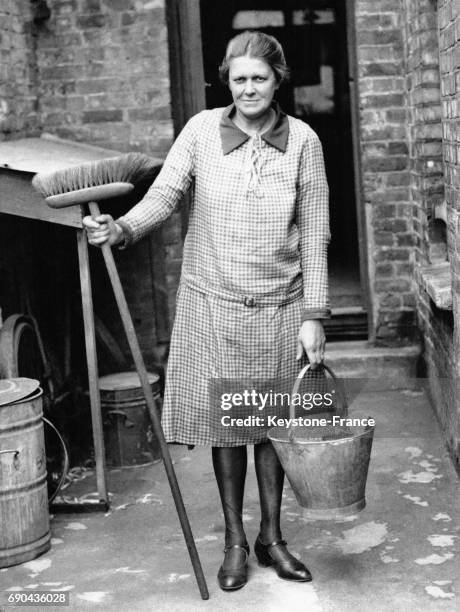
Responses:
[340,389]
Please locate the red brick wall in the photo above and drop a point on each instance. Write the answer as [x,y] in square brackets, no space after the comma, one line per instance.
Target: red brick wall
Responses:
[18,96]
[386,167]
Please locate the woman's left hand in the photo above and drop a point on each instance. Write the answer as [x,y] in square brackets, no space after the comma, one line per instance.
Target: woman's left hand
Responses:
[312,340]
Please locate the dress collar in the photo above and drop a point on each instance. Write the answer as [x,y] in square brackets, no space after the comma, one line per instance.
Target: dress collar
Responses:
[232,137]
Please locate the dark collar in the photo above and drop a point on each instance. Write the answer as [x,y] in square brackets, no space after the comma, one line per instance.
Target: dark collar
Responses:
[232,137]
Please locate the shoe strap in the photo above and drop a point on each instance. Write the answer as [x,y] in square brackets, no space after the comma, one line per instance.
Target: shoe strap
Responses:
[275,543]
[244,547]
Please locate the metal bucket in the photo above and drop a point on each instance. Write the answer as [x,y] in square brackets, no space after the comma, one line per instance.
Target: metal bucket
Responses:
[326,466]
[24,515]
[128,433]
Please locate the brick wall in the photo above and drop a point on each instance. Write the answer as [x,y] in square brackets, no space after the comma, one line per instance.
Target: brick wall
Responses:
[104,75]
[427,190]
[97,71]
[449,47]
[386,167]
[449,57]
[18,96]
[423,86]
[104,79]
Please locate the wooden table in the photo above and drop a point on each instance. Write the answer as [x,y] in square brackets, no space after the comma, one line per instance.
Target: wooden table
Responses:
[19,161]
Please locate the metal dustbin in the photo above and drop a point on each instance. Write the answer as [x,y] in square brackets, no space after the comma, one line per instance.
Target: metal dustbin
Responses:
[128,433]
[24,515]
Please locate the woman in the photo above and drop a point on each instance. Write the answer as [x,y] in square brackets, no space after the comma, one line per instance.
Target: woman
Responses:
[253,288]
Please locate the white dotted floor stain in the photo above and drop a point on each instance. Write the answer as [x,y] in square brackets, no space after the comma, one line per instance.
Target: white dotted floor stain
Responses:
[401,553]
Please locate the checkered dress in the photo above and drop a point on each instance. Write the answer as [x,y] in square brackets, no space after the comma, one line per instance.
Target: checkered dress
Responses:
[254,263]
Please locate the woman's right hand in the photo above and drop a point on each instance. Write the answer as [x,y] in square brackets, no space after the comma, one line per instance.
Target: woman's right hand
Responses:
[102,230]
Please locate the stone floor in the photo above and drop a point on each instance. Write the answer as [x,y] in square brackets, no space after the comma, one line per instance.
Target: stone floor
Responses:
[400,553]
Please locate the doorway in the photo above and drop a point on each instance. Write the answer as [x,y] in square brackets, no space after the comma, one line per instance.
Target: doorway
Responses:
[313,35]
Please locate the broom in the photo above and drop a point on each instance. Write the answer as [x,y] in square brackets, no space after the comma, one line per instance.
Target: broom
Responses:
[90,183]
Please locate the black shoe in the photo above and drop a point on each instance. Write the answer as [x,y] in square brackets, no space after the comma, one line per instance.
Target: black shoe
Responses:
[286,566]
[235,574]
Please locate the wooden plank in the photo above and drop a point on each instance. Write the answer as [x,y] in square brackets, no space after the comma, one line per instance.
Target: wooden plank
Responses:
[18,197]
[192,55]
[48,154]
[186,60]
[436,279]
[179,112]
[350,14]
[186,69]
[91,358]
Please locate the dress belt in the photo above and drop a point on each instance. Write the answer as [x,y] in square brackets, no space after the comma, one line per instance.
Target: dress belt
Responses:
[254,299]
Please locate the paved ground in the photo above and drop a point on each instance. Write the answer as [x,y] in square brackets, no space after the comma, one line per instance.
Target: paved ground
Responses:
[400,553]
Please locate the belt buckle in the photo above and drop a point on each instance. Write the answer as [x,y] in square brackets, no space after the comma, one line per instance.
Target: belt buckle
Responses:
[249,301]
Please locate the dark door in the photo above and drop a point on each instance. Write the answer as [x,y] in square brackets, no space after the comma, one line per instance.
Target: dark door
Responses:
[313,35]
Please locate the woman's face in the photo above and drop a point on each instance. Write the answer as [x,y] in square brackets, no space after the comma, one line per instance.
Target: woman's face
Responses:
[253,84]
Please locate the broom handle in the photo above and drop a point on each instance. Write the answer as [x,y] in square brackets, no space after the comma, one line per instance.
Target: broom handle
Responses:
[156,423]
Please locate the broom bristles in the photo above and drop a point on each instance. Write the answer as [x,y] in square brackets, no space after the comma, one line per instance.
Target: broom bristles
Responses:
[130,168]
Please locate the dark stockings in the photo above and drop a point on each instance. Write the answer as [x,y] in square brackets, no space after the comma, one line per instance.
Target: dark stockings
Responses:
[270,478]
[230,469]
[230,465]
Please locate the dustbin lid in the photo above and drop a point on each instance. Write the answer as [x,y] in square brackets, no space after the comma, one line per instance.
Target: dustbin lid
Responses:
[14,389]
[124,380]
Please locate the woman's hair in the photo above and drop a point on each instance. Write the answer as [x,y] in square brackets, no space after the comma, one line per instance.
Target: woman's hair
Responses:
[258,45]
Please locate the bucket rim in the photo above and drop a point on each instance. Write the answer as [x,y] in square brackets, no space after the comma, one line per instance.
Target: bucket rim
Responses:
[25,400]
[125,381]
[20,388]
